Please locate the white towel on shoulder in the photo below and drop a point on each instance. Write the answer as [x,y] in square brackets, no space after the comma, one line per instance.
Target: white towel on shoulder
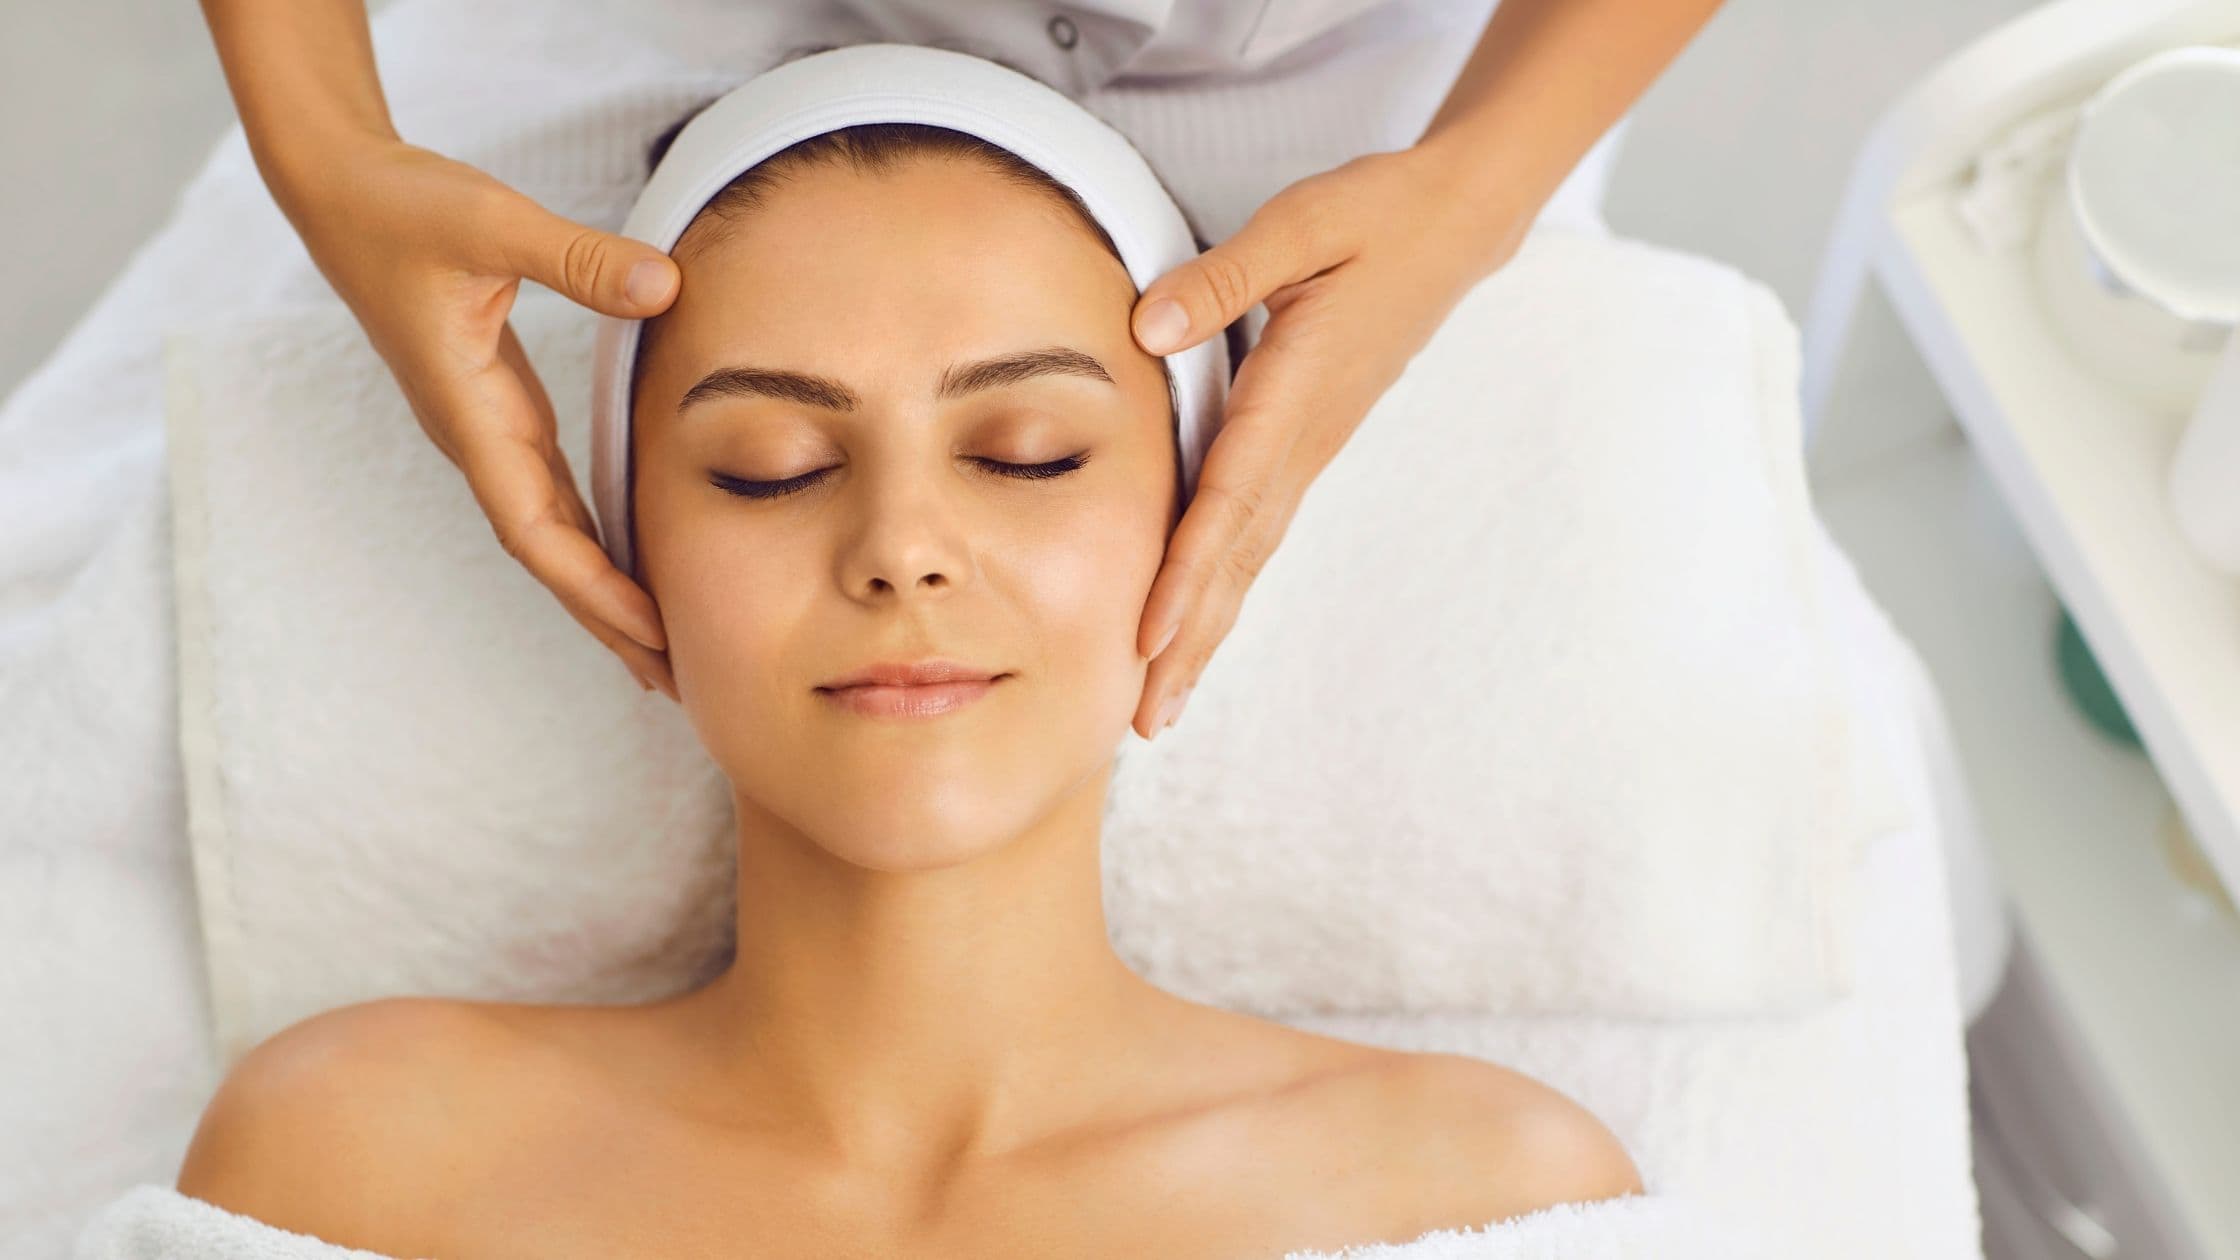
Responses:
[155,1222]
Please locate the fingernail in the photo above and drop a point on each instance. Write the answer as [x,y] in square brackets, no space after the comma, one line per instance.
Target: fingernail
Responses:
[645,284]
[1181,702]
[1166,714]
[1165,638]
[1164,323]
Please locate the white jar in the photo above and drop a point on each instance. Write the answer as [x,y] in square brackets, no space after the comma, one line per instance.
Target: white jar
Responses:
[2138,250]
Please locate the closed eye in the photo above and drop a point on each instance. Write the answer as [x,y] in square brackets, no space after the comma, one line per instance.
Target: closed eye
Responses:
[778,489]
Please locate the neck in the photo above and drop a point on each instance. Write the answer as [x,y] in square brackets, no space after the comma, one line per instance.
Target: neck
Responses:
[918,1018]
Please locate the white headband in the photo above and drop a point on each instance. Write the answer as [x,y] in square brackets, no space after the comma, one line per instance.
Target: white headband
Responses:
[876,83]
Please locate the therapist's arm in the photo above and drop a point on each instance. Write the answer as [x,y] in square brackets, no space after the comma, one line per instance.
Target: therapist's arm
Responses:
[303,80]
[428,253]
[1547,79]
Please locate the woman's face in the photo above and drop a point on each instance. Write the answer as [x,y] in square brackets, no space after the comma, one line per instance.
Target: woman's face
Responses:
[895,535]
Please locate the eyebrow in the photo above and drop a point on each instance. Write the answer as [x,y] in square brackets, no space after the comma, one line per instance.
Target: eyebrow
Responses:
[960,379]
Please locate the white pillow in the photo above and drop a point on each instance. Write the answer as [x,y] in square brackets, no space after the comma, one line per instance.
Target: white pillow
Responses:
[1536,707]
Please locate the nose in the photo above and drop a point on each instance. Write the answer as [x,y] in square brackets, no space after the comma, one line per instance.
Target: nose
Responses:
[911,543]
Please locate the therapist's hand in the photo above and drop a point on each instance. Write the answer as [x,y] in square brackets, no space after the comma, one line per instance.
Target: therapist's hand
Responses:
[1358,267]
[428,253]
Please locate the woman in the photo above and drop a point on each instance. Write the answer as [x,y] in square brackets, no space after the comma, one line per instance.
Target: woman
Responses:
[924,1043]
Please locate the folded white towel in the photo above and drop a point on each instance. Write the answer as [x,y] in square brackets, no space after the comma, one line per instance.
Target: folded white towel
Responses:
[155,1222]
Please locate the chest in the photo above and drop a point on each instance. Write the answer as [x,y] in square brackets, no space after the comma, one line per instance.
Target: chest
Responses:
[1215,1192]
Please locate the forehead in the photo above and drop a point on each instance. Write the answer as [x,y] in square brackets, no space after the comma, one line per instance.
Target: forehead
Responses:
[933,251]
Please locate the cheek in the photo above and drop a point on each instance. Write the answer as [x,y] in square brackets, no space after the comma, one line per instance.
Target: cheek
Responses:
[732,600]
[732,608]
[1080,580]
[1084,574]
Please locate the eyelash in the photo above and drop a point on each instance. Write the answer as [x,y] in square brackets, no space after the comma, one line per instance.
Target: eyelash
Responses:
[779,489]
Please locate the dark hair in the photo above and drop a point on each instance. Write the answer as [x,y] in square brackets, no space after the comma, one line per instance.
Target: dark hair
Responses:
[876,148]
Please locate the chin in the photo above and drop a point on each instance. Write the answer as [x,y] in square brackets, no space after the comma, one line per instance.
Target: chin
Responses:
[908,838]
[903,823]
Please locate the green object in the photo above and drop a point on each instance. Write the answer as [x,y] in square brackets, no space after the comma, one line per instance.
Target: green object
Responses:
[2088,688]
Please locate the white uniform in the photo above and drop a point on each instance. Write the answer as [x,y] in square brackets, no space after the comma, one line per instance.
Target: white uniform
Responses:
[1233,99]
[1085,46]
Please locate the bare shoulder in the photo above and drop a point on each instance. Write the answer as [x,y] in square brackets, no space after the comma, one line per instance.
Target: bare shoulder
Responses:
[1489,1143]
[310,1129]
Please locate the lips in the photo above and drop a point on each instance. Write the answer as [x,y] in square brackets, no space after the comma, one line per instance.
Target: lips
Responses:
[920,701]
[910,689]
[911,674]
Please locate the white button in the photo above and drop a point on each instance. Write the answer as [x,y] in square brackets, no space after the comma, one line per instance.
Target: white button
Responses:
[1062,31]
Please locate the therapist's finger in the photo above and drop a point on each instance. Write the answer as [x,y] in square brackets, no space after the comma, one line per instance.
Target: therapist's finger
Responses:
[1283,243]
[1247,493]
[1224,540]
[606,272]
[563,476]
[509,462]
[647,662]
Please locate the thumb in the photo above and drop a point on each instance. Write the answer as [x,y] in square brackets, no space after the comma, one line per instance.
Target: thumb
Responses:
[1208,293]
[611,274]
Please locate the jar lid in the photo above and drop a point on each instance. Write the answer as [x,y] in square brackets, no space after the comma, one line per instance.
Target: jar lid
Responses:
[2154,178]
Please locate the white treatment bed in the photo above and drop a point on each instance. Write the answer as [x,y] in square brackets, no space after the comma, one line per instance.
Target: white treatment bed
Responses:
[1843,1130]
